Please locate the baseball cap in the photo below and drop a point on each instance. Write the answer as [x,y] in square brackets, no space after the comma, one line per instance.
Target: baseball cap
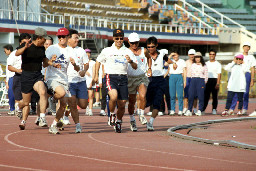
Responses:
[191,51]
[40,32]
[62,32]
[118,33]
[247,44]
[88,50]
[198,54]
[241,56]
[134,37]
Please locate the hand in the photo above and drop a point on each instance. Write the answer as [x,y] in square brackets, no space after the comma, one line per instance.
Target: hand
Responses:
[72,61]
[54,57]
[96,79]
[149,74]
[128,58]
[170,56]
[217,86]
[19,71]
[57,65]
[28,43]
[252,83]
[82,73]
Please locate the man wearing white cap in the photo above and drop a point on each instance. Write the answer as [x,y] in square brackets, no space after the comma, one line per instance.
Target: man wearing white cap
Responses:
[250,63]
[137,79]
[189,62]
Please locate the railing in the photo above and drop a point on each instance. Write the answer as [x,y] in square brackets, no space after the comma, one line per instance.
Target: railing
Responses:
[222,17]
[87,21]
[31,16]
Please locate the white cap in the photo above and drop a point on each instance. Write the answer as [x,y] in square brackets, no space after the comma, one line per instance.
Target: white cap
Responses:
[191,51]
[134,37]
[247,44]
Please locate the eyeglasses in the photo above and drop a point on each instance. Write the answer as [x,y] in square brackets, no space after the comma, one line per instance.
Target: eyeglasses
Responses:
[150,47]
[61,36]
[133,43]
[239,59]
[119,38]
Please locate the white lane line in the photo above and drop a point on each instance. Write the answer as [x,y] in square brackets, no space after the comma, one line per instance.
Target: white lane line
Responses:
[21,168]
[170,153]
[6,138]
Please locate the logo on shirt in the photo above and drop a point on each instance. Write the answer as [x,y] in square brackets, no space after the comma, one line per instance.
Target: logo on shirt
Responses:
[61,59]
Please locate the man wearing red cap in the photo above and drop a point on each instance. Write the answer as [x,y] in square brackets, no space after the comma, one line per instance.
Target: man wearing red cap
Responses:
[57,79]
[116,59]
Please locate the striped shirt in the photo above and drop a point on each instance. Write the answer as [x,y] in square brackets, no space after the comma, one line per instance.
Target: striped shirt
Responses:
[199,71]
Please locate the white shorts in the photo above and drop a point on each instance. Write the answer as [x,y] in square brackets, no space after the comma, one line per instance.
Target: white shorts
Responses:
[52,84]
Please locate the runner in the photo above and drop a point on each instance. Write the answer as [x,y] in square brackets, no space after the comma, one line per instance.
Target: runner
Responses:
[137,79]
[116,59]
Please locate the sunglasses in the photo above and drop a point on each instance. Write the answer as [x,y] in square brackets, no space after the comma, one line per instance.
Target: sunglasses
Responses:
[239,59]
[133,43]
[150,47]
[61,36]
[119,38]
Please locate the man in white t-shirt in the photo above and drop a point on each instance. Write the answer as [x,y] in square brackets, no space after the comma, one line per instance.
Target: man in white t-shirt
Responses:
[116,59]
[57,78]
[250,63]
[213,83]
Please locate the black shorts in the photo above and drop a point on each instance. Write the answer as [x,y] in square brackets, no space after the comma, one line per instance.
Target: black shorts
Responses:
[17,87]
[118,82]
[28,79]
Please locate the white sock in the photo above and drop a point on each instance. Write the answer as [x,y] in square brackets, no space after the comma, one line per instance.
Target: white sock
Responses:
[132,118]
[77,123]
[119,120]
[138,112]
[42,115]
[142,112]
[112,113]
[151,120]
[90,110]
[54,122]
[23,121]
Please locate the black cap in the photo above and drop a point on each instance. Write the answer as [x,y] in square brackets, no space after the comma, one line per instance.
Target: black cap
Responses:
[118,33]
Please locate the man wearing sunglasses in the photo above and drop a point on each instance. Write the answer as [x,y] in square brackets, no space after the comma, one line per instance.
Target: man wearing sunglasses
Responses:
[137,79]
[116,59]
[57,78]
[157,85]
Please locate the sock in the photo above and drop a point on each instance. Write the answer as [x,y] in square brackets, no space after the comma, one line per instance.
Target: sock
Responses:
[132,118]
[90,110]
[23,122]
[119,120]
[138,112]
[54,122]
[42,115]
[112,113]
[151,120]
[142,112]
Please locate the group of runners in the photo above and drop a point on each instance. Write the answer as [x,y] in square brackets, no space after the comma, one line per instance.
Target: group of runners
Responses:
[126,74]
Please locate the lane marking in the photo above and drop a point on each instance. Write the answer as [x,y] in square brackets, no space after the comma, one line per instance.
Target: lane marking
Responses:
[22,168]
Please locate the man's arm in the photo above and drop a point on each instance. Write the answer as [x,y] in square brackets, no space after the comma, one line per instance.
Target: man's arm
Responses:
[130,61]
[96,75]
[252,76]
[13,69]
[218,81]
[149,60]
[21,50]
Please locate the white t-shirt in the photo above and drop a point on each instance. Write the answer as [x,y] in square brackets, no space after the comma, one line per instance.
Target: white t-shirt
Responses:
[14,61]
[181,64]
[141,66]
[114,59]
[158,64]
[90,71]
[81,57]
[63,58]
[249,61]
[214,68]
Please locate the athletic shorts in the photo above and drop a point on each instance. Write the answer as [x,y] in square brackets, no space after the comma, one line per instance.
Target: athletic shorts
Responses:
[79,90]
[28,80]
[16,88]
[119,83]
[97,89]
[52,84]
[135,81]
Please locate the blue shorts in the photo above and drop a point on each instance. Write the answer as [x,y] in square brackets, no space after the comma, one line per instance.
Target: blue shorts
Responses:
[119,83]
[79,90]
[187,87]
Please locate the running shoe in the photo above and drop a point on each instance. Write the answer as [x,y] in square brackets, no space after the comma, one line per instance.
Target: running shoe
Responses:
[244,112]
[230,112]
[224,113]
[214,111]
[102,113]
[42,122]
[112,119]
[18,112]
[66,120]
[184,110]
[133,126]
[78,128]
[239,113]
[11,113]
[172,113]
[118,128]
[143,119]
[180,113]
[149,113]
[253,113]
[198,113]
[60,125]
[22,125]
[188,113]
[37,120]
[90,113]
[54,130]
[160,113]
[150,127]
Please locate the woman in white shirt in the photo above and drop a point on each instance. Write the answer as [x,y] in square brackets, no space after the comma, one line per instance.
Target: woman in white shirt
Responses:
[177,80]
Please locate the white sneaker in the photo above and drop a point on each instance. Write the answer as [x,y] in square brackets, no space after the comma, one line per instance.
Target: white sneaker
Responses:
[172,113]
[230,112]
[244,111]
[37,120]
[180,113]
[87,110]
[149,113]
[78,128]
[253,113]
[198,113]
[54,130]
[66,120]
[42,122]
[188,113]
[90,113]
[214,111]
[18,112]
[133,126]
[150,127]
[102,113]
[160,113]
[184,110]
[11,112]
[143,120]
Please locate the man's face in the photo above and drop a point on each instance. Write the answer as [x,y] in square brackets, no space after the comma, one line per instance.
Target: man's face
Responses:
[7,52]
[73,40]
[151,47]
[175,56]
[134,45]
[41,41]
[191,57]
[118,41]
[47,43]
[246,49]
[212,55]
[63,40]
